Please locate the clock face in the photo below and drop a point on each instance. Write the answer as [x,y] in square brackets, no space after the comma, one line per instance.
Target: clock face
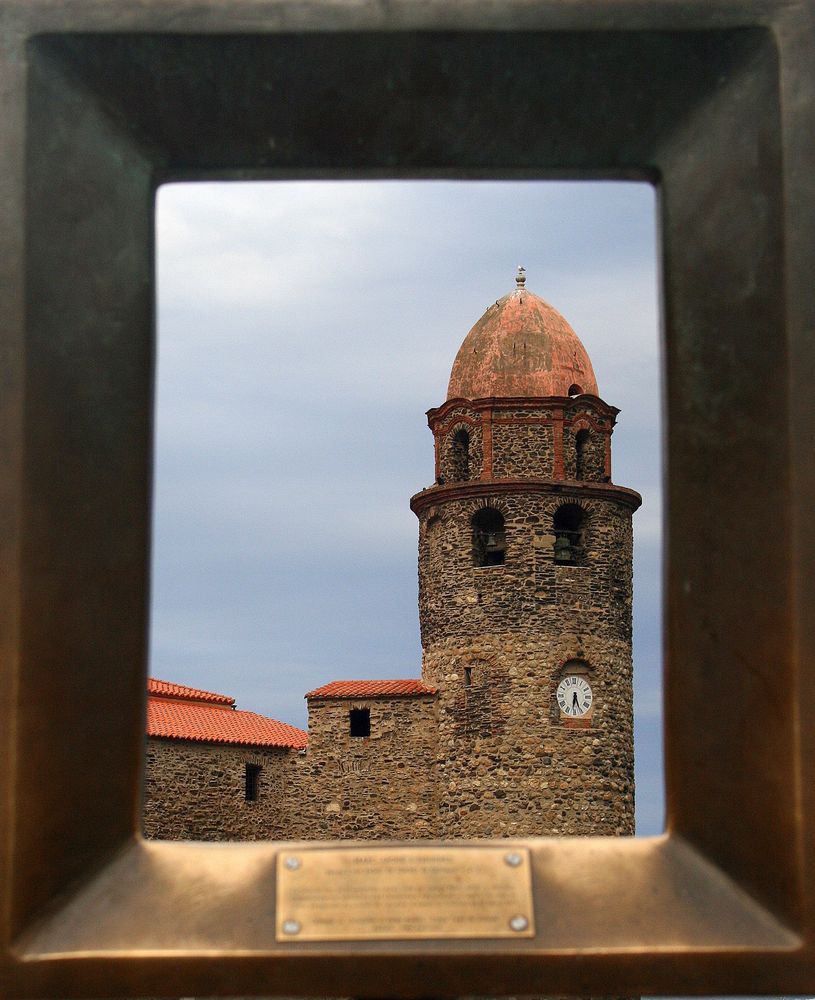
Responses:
[574,695]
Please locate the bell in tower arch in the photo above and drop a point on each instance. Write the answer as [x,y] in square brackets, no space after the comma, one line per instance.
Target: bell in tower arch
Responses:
[563,550]
[489,537]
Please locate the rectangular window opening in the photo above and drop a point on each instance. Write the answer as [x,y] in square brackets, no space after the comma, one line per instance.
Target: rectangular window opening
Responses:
[252,782]
[304,330]
[360,721]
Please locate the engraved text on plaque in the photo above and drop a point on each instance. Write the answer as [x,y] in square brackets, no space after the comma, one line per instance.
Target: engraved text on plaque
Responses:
[364,893]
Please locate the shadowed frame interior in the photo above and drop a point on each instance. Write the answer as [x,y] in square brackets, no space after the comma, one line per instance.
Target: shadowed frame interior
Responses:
[111,116]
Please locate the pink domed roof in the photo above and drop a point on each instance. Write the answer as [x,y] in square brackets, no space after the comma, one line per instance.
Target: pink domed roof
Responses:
[521,346]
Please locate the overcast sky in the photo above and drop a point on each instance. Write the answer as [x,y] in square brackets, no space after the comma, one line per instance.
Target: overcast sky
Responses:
[304,330]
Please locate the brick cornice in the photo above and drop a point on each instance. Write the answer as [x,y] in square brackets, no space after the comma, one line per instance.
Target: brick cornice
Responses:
[475,489]
[521,403]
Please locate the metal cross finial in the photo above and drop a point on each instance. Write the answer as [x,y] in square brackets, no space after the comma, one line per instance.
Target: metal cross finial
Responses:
[520,278]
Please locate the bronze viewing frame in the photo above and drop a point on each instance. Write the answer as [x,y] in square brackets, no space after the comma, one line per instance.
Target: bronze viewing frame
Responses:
[713,100]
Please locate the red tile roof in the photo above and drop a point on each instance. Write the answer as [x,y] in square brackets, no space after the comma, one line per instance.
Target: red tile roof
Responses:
[371,689]
[166,689]
[176,712]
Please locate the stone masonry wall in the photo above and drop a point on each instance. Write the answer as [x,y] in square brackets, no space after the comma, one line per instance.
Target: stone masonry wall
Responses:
[381,786]
[508,766]
[196,791]
[524,449]
[495,641]
[530,593]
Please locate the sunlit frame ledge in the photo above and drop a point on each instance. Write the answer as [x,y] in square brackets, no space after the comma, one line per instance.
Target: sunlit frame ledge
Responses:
[712,101]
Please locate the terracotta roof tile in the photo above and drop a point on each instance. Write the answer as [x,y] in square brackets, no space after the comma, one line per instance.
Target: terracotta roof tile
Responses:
[371,689]
[177,712]
[216,724]
[166,689]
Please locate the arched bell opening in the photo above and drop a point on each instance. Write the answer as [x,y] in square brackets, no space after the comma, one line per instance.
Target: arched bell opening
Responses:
[581,446]
[489,537]
[460,456]
[568,527]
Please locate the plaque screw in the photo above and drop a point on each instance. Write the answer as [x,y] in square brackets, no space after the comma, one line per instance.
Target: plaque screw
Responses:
[293,927]
[513,859]
[292,863]
[518,923]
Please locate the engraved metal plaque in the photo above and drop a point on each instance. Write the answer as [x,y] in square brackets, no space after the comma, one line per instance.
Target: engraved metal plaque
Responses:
[366,893]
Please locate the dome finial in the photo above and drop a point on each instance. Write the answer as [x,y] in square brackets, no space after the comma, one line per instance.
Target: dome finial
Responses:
[520,277]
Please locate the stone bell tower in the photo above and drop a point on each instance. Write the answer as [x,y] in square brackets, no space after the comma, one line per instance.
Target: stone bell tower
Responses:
[525,563]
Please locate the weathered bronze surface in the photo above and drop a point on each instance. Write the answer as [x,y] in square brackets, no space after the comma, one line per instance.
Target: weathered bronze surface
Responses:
[404,893]
[713,100]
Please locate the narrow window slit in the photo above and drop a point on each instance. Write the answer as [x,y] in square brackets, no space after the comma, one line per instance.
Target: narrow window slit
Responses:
[252,782]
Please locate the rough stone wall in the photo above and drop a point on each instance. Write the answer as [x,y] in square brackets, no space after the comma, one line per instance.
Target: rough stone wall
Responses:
[196,791]
[381,786]
[529,592]
[508,765]
[523,449]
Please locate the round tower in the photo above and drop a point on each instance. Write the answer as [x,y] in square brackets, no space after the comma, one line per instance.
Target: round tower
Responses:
[525,563]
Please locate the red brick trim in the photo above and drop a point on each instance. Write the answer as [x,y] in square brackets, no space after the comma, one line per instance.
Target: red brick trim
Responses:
[603,408]
[582,723]
[585,421]
[501,487]
[443,429]
[521,403]
[486,444]
[527,421]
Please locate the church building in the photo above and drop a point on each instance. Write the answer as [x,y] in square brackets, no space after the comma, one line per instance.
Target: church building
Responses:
[522,721]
